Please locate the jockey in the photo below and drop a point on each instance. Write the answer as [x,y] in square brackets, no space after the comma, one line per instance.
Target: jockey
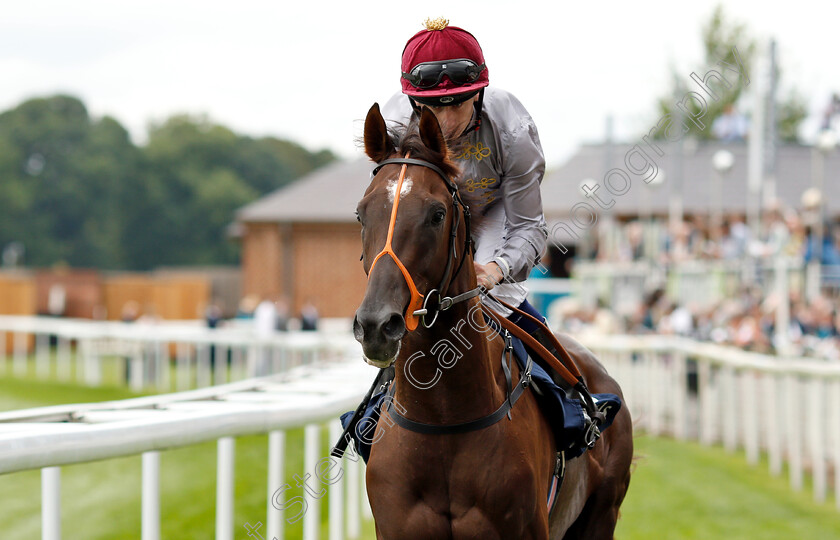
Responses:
[443,69]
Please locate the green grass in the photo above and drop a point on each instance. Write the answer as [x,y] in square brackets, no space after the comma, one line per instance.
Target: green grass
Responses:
[112,372]
[112,369]
[685,491]
[678,491]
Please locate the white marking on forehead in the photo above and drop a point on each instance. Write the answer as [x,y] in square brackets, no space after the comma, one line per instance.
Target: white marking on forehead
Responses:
[392,188]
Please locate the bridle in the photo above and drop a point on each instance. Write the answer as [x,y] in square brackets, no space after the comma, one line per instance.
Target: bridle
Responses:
[426,308]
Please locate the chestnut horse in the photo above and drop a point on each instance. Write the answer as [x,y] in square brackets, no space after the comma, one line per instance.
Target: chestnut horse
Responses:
[491,481]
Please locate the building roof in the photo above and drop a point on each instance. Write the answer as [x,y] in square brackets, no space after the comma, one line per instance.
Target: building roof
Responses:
[330,193]
[795,170]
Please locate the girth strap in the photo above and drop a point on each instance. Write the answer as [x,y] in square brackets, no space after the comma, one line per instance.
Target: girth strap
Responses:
[464,427]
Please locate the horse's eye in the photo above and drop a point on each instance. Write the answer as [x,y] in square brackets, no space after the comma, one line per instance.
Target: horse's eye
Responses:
[438,217]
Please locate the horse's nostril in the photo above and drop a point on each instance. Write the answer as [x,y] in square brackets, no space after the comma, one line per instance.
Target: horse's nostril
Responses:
[395,327]
[358,330]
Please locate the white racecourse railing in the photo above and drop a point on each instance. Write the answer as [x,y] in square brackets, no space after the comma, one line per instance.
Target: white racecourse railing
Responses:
[700,283]
[49,437]
[202,356]
[786,407]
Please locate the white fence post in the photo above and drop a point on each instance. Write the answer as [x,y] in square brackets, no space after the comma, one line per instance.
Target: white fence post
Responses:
[655,389]
[3,360]
[42,355]
[182,376]
[815,417]
[354,526]
[312,518]
[83,363]
[92,362]
[750,418]
[773,427]
[20,354]
[253,360]
[162,360]
[151,496]
[237,368]
[834,427]
[136,369]
[51,503]
[793,430]
[707,401]
[730,409]
[679,385]
[220,371]
[224,489]
[63,362]
[276,455]
[336,493]
[203,376]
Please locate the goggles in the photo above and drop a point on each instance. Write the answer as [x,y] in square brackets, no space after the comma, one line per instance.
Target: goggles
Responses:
[429,74]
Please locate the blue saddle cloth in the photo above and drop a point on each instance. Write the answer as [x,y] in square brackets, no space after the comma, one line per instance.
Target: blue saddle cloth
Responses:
[565,415]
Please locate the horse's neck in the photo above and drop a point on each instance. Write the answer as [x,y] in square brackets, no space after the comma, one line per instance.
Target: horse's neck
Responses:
[448,373]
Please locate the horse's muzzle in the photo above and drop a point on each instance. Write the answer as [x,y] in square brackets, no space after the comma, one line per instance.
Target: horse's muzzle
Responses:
[380,334]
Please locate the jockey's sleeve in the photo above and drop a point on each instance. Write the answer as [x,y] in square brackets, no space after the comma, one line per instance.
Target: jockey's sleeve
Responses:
[523,167]
[397,110]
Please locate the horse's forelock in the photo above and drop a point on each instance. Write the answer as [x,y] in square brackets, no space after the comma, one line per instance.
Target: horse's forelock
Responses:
[407,140]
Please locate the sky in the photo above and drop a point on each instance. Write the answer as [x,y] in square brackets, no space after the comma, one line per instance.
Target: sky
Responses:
[309,71]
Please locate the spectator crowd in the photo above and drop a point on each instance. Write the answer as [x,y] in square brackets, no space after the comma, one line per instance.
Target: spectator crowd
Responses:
[748,318]
[746,321]
[783,232]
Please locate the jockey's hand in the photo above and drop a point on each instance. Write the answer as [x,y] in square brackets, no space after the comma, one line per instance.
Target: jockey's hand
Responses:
[488,275]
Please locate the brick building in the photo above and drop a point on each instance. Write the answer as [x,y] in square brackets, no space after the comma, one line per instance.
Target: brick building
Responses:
[302,241]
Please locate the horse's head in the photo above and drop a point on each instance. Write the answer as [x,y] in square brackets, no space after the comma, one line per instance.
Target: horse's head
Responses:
[413,232]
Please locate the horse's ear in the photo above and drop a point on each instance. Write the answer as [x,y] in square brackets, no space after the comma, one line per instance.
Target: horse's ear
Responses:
[430,132]
[378,145]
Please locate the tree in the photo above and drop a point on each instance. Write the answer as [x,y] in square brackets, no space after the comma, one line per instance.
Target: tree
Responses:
[720,37]
[197,174]
[61,175]
[76,190]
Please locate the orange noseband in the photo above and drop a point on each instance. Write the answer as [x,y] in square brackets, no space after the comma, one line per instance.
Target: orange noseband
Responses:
[411,320]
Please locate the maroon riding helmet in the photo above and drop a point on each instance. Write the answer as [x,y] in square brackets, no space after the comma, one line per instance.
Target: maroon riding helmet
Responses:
[443,65]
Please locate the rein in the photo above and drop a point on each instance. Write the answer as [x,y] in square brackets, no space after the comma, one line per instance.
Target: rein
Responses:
[427,307]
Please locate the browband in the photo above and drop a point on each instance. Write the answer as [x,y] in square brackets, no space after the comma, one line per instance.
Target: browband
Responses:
[409,161]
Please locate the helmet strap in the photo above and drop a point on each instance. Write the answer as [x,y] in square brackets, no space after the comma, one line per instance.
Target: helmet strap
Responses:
[477,106]
[477,113]
[414,106]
